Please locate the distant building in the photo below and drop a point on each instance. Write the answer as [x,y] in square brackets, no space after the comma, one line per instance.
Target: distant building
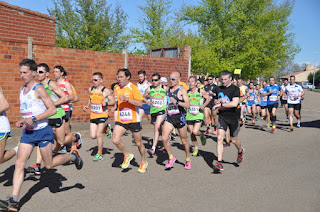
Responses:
[303,75]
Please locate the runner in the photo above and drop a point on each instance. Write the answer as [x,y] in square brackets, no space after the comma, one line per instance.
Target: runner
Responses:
[284,99]
[195,113]
[128,97]
[36,107]
[243,100]
[228,100]
[99,98]
[143,84]
[263,104]
[209,113]
[177,101]
[5,155]
[273,92]
[295,94]
[251,106]
[163,81]
[158,102]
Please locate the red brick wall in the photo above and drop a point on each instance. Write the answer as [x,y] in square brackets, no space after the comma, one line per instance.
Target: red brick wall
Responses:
[17,24]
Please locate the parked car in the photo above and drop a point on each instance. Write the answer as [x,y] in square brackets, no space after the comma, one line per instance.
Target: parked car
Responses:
[308,85]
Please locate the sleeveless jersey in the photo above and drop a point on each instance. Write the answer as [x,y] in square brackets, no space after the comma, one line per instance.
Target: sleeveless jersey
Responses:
[158,99]
[54,97]
[174,109]
[194,112]
[97,110]
[243,90]
[65,106]
[4,122]
[143,88]
[251,96]
[32,106]
[263,99]
[284,96]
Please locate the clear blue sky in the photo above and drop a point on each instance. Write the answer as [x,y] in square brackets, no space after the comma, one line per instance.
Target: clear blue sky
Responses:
[305,21]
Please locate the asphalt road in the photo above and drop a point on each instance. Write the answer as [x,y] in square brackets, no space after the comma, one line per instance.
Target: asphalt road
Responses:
[280,172]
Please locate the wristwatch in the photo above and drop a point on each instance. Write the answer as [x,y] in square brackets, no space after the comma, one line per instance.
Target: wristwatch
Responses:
[34,119]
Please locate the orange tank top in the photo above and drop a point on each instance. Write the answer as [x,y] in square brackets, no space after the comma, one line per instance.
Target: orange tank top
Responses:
[65,106]
[97,110]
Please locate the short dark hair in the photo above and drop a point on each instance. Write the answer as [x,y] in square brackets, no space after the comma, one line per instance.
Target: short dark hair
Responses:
[194,77]
[142,72]
[211,76]
[239,78]
[126,72]
[292,76]
[272,77]
[46,67]
[29,63]
[60,68]
[286,78]
[98,73]
[156,74]
[226,73]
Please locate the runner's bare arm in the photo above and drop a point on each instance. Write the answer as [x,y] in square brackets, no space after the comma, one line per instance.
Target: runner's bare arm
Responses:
[70,91]
[63,98]
[4,104]
[205,95]
[243,98]
[135,102]
[183,93]
[302,93]
[76,96]
[146,94]
[108,94]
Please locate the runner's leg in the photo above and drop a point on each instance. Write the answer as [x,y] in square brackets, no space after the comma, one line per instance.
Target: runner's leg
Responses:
[140,145]
[5,155]
[183,136]
[166,130]
[118,132]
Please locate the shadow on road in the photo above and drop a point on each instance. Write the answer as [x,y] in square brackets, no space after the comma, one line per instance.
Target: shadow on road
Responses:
[118,159]
[314,124]
[7,175]
[94,151]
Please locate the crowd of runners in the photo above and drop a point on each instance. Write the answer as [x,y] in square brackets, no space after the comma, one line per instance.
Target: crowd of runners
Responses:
[221,104]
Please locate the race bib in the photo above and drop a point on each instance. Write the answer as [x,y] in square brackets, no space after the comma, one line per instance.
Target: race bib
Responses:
[194,109]
[284,97]
[293,96]
[96,108]
[265,99]
[273,98]
[126,114]
[173,109]
[157,102]
[251,98]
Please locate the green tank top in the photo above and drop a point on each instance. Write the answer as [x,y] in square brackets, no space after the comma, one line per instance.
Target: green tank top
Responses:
[194,112]
[158,99]
[60,112]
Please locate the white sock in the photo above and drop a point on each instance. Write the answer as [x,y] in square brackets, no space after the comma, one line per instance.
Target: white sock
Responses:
[16,149]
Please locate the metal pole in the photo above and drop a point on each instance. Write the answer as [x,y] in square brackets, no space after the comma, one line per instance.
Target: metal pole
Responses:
[314,70]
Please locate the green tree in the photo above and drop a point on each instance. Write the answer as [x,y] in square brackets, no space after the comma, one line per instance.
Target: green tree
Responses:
[316,78]
[90,25]
[249,34]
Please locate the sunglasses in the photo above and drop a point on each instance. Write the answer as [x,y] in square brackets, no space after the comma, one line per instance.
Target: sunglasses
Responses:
[95,80]
[172,79]
[41,72]
[155,80]
[210,79]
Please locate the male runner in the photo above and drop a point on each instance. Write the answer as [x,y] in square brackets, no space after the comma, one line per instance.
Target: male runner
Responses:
[284,99]
[263,104]
[211,89]
[251,97]
[295,94]
[99,98]
[158,105]
[195,113]
[177,101]
[5,155]
[128,98]
[143,84]
[35,108]
[227,102]
[273,92]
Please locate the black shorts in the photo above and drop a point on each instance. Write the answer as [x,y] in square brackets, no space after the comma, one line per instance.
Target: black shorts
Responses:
[194,122]
[55,122]
[233,125]
[133,127]
[295,106]
[238,111]
[98,120]
[270,107]
[178,121]
[210,105]
[154,115]
[67,116]
[284,102]
[263,107]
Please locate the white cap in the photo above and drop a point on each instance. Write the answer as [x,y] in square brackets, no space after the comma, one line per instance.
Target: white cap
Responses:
[163,79]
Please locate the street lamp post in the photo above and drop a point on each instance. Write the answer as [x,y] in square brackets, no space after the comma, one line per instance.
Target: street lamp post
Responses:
[314,71]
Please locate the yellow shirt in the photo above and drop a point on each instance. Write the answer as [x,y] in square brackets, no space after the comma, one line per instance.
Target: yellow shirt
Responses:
[97,110]
[184,85]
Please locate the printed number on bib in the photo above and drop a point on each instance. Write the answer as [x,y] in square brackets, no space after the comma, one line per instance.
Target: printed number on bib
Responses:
[126,114]
[96,108]
[157,103]
[273,98]
[194,109]
[173,109]
[251,98]
[293,97]
[265,99]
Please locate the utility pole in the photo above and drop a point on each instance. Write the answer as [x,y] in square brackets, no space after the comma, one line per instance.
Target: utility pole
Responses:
[314,71]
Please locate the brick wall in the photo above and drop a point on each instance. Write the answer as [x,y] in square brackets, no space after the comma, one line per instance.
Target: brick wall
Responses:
[17,24]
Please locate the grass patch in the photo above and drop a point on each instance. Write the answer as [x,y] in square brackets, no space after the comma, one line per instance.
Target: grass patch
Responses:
[316,90]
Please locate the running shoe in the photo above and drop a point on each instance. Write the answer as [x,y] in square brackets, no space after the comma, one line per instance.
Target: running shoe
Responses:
[268,126]
[13,205]
[98,157]
[63,149]
[126,161]
[74,149]
[274,128]
[253,122]
[291,128]
[215,131]
[195,152]
[241,123]
[298,125]
[151,152]
[78,162]
[108,131]
[203,139]
[219,166]
[36,169]
[257,119]
[170,162]
[78,143]
[207,131]
[226,144]
[187,166]
[173,135]
[287,120]
[240,156]
[143,167]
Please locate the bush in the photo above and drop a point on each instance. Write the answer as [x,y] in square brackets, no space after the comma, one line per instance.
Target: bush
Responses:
[316,79]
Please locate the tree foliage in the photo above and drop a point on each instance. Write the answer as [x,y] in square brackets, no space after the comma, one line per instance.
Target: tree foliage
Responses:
[249,34]
[316,78]
[90,24]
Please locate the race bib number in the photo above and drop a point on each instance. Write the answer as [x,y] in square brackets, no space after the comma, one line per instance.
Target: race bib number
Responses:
[173,109]
[293,96]
[194,109]
[251,98]
[273,98]
[96,108]
[157,102]
[284,97]
[265,99]
[126,114]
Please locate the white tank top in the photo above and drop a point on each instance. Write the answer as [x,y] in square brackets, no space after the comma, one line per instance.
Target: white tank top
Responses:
[143,88]
[4,121]
[32,106]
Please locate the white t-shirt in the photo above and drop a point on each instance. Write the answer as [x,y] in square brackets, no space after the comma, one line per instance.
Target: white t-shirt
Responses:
[293,92]
[284,96]
[4,122]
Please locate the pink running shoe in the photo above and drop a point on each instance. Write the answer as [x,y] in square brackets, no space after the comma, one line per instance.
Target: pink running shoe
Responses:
[188,165]
[170,162]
